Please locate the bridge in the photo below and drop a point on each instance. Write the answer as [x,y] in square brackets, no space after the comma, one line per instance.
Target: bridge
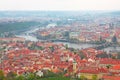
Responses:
[58,40]
[104,45]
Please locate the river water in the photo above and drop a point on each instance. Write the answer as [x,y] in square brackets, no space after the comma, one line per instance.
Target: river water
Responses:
[80,46]
[27,35]
[76,46]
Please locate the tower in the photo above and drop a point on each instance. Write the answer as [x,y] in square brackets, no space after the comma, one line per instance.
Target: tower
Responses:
[74,66]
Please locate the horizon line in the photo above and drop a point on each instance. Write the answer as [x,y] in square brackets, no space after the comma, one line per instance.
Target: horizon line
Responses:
[61,10]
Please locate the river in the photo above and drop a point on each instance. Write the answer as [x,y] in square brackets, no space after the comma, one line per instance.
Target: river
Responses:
[77,46]
[27,35]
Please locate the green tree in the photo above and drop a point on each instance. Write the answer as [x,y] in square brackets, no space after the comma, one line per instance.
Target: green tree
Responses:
[52,48]
[2,77]
[82,77]
[108,66]
[30,76]
[49,74]
[66,46]
[11,76]
[94,77]
[55,78]
[82,56]
[20,78]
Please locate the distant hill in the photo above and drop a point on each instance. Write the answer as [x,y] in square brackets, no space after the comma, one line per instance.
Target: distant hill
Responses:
[16,26]
[115,13]
[53,13]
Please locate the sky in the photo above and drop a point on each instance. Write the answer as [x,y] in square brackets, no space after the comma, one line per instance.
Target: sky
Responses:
[47,5]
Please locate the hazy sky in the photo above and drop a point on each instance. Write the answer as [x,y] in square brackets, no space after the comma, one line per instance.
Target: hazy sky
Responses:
[59,4]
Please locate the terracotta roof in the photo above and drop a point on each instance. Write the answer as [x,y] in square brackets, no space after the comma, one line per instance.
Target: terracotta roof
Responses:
[116,67]
[109,61]
[94,70]
[111,77]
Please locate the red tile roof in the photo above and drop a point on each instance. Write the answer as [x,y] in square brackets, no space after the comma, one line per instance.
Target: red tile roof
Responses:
[111,77]
[94,70]
[109,61]
[116,67]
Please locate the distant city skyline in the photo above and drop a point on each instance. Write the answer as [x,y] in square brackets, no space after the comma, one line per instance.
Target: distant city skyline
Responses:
[46,5]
